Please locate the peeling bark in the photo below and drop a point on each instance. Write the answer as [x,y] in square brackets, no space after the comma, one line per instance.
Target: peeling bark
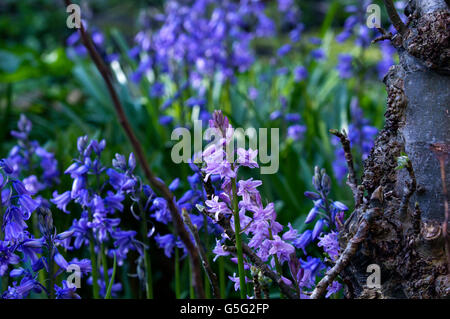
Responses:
[407,239]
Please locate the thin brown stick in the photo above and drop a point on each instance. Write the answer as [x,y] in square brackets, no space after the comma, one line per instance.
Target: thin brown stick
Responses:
[342,262]
[352,181]
[410,189]
[256,286]
[154,182]
[394,17]
[212,277]
[352,245]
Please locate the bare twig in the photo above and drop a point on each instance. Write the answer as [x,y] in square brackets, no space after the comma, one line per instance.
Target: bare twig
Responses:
[384,36]
[416,219]
[342,262]
[410,189]
[154,182]
[206,266]
[265,290]
[394,17]
[256,285]
[352,245]
[352,182]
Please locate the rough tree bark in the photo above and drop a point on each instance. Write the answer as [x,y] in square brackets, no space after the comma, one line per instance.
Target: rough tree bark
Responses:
[407,237]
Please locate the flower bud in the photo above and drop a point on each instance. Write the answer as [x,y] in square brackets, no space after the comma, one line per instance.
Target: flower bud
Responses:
[45,220]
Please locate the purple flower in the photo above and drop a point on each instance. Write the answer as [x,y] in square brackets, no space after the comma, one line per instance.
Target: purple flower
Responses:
[160,210]
[300,73]
[218,250]
[124,242]
[280,248]
[291,234]
[247,158]
[20,291]
[318,228]
[285,49]
[284,5]
[310,268]
[303,241]
[120,182]
[330,244]
[167,242]
[252,93]
[333,288]
[275,115]
[247,188]
[165,120]
[61,200]
[296,131]
[66,292]
[318,54]
[157,90]
[344,66]
[7,257]
[217,207]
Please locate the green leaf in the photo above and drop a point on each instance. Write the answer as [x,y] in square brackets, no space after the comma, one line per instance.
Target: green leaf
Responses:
[402,161]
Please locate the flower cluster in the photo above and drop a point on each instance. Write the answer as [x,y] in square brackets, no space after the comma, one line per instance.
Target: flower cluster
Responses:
[272,242]
[328,216]
[29,242]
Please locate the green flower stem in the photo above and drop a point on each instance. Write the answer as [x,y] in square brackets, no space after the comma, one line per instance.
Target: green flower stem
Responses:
[95,288]
[222,276]
[51,275]
[207,284]
[104,264]
[177,274]
[147,260]
[237,229]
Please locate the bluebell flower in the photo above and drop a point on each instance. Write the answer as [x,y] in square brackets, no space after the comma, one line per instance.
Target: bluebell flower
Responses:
[124,241]
[300,73]
[7,256]
[296,132]
[318,54]
[160,210]
[61,200]
[318,228]
[21,290]
[66,292]
[303,240]
[157,90]
[285,49]
[344,66]
[165,120]
[167,242]
[310,268]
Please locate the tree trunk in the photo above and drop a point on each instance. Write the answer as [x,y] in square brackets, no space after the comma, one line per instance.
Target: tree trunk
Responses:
[408,238]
